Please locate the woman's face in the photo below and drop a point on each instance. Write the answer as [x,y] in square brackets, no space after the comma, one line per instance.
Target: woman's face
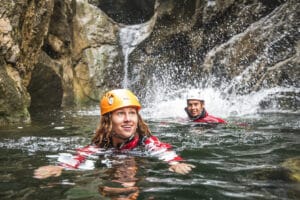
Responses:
[124,122]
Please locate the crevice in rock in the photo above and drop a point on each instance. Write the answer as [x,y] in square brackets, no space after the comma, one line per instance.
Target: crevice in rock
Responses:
[45,89]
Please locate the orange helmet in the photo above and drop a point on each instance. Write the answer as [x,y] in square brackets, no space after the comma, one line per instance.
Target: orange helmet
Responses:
[118,98]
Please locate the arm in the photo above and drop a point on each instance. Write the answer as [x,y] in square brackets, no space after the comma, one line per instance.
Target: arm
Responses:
[68,161]
[79,160]
[163,152]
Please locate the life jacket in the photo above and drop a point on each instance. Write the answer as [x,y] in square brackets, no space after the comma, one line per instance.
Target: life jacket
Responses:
[204,117]
[152,145]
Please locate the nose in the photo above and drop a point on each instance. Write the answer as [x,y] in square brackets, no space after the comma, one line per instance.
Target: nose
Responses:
[127,117]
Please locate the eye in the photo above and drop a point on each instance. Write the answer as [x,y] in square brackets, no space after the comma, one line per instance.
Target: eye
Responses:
[120,113]
[132,113]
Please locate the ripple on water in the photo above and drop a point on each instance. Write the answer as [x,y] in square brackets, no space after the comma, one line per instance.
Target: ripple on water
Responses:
[196,181]
[242,194]
[232,167]
[53,144]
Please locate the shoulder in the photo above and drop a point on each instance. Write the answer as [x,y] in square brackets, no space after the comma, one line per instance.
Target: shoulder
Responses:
[153,141]
[149,139]
[210,119]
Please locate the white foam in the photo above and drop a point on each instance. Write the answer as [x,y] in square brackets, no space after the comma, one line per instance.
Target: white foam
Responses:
[216,103]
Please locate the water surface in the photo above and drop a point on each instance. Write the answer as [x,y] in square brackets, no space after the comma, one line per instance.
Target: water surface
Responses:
[242,160]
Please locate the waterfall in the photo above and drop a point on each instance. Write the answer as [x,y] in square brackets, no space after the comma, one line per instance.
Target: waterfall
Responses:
[130,37]
[242,75]
[248,88]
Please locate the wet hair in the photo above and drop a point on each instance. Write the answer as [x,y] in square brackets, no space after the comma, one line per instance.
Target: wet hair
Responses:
[103,135]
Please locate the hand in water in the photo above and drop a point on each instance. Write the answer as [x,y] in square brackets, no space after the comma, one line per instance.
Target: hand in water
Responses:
[181,168]
[47,171]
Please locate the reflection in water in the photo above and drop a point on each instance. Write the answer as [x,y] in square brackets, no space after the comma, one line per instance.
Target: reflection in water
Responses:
[123,180]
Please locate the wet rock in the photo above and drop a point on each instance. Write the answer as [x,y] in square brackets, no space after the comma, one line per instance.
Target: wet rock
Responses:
[293,165]
[74,47]
[61,49]
[127,12]
[235,47]
[14,101]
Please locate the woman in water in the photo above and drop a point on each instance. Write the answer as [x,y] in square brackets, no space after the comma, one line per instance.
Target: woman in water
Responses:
[121,130]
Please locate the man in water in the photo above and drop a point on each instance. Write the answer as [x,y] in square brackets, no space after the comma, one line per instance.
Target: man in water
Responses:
[196,111]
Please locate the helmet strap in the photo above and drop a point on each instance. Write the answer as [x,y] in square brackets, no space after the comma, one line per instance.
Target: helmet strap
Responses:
[125,140]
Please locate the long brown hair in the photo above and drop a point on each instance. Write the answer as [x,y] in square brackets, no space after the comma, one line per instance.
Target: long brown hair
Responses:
[103,134]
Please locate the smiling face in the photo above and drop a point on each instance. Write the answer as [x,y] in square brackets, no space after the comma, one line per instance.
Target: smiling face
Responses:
[194,107]
[124,122]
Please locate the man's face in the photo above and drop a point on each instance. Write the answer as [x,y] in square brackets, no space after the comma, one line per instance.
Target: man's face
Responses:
[194,107]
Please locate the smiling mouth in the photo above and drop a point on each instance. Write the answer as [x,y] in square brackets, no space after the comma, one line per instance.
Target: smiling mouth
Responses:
[127,128]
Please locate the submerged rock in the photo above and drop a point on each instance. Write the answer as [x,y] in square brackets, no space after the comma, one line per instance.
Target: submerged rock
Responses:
[293,165]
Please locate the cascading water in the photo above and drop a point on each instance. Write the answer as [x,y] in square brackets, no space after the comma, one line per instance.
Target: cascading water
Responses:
[130,37]
[172,105]
[167,99]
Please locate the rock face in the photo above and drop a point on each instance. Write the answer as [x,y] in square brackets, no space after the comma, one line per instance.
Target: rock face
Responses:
[23,26]
[59,53]
[54,53]
[235,47]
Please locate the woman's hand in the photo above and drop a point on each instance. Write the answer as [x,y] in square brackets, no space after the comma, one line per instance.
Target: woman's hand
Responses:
[181,168]
[47,171]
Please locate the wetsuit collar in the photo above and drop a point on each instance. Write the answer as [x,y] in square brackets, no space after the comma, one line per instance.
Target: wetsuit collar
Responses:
[125,140]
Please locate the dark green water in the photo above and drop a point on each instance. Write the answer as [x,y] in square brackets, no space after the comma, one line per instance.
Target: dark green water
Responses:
[232,162]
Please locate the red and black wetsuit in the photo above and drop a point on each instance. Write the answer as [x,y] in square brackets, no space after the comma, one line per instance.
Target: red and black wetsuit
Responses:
[152,145]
